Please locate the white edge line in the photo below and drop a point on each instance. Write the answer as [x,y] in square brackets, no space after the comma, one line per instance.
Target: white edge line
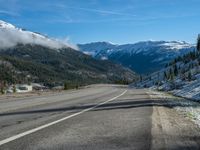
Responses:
[7,140]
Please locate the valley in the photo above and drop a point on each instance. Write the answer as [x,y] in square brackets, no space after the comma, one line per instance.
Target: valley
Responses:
[34,62]
[99,75]
[142,57]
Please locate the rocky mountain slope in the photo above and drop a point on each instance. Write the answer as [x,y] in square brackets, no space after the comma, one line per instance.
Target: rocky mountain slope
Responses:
[180,77]
[143,57]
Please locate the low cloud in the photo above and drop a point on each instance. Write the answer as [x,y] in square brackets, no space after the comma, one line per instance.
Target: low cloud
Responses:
[66,41]
[107,12]
[8,13]
[11,36]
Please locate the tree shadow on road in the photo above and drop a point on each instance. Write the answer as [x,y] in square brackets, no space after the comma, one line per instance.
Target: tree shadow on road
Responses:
[119,104]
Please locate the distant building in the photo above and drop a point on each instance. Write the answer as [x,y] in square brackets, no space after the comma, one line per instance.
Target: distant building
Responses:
[23,88]
[38,87]
[58,88]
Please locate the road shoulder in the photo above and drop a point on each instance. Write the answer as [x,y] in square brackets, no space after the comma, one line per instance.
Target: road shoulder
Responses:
[172,129]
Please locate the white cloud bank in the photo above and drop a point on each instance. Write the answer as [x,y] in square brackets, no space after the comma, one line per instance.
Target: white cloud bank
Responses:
[11,36]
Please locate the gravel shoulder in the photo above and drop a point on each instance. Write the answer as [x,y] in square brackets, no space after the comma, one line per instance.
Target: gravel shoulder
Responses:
[171,127]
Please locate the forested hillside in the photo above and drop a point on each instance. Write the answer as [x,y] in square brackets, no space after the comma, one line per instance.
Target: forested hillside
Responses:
[181,76]
[34,63]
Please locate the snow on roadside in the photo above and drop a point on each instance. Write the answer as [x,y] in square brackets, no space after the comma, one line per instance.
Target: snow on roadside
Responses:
[189,109]
[190,90]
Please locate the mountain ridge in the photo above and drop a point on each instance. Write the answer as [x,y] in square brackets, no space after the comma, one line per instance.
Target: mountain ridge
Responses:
[156,53]
[30,57]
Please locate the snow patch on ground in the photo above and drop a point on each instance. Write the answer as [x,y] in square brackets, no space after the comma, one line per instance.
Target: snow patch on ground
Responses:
[188,108]
[190,90]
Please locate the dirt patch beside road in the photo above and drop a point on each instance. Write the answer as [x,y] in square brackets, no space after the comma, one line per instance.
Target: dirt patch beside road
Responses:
[171,129]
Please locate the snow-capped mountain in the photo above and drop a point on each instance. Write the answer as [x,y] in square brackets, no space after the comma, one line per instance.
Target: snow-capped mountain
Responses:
[97,48]
[31,57]
[143,57]
[10,36]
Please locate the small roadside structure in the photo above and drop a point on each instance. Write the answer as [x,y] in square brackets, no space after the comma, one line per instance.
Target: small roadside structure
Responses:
[19,88]
[58,88]
[23,88]
[38,87]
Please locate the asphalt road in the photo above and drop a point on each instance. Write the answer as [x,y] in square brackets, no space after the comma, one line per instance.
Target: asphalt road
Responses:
[99,117]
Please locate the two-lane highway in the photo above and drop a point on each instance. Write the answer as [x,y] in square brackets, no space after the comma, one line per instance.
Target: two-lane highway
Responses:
[99,117]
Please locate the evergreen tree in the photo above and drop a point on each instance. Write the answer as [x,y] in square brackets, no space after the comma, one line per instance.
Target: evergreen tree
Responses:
[2,88]
[175,70]
[198,43]
[65,86]
[141,78]
[189,76]
[150,78]
[165,75]
[171,74]
[198,61]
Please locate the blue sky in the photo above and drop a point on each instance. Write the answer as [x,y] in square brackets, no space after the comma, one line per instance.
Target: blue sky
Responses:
[117,21]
